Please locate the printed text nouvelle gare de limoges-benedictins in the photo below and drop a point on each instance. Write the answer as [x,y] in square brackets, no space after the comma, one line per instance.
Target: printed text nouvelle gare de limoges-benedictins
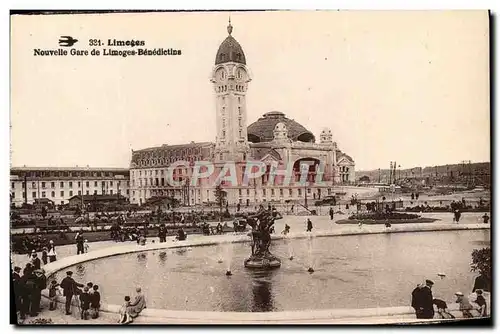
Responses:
[111,51]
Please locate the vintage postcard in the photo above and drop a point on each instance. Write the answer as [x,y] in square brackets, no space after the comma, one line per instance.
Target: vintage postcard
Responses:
[250,167]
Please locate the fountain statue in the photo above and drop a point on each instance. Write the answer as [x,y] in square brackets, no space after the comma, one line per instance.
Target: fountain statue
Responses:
[262,224]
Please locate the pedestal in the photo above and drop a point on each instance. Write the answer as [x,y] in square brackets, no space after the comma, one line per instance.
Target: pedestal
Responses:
[266,261]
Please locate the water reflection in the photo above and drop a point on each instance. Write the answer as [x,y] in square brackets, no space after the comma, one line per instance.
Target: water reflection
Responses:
[263,300]
[163,258]
[80,270]
[379,270]
[142,258]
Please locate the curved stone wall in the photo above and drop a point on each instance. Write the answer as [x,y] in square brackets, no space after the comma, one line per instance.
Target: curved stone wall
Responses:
[160,316]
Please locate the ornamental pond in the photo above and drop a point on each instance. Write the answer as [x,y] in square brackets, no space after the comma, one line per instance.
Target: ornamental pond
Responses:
[358,271]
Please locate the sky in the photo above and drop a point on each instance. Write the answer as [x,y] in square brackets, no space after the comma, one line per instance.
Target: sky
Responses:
[406,86]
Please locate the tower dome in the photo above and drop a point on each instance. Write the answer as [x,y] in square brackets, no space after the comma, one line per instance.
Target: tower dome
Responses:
[230,50]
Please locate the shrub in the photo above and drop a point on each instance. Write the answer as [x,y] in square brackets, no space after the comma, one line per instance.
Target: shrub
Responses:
[382,216]
[481,262]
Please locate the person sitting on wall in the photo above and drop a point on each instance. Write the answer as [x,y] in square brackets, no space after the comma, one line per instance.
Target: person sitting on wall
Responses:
[139,304]
[181,235]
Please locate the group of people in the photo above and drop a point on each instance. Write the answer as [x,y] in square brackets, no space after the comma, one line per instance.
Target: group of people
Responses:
[28,287]
[422,302]
[88,297]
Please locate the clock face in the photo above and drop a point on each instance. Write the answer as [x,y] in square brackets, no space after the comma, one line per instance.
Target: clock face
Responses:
[220,75]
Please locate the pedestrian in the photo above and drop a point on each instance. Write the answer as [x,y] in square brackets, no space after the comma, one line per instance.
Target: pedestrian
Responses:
[464,305]
[416,301]
[309,225]
[53,295]
[422,300]
[486,218]
[79,242]
[86,246]
[84,303]
[483,312]
[70,289]
[95,302]
[44,255]
[40,284]
[52,252]
[331,213]
[457,215]
[17,286]
[37,264]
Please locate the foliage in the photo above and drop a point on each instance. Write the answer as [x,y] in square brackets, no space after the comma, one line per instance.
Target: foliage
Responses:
[41,321]
[383,216]
[220,195]
[481,261]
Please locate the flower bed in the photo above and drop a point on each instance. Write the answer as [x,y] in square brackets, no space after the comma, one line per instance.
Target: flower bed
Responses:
[383,216]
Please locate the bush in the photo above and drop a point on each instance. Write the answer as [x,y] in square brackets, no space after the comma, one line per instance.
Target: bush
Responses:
[382,216]
[481,262]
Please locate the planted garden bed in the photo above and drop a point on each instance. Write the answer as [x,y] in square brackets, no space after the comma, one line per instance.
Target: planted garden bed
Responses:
[383,218]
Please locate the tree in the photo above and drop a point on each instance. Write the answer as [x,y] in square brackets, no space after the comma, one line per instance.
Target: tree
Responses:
[481,263]
[220,195]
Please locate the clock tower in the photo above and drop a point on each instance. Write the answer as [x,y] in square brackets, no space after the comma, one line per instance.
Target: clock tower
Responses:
[230,78]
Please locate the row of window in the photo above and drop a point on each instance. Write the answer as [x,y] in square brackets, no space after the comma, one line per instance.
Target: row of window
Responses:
[164,161]
[156,172]
[71,174]
[43,194]
[44,185]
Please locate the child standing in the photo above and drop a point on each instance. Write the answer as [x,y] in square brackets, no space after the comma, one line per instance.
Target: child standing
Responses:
[482,303]
[53,295]
[95,302]
[86,246]
[85,303]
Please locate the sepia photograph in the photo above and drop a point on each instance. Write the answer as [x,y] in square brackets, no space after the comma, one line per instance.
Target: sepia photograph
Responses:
[257,167]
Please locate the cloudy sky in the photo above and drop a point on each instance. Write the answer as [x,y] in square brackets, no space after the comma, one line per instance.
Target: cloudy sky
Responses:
[406,86]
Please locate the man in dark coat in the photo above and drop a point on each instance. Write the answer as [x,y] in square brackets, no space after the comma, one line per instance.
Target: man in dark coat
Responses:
[16,285]
[40,283]
[70,288]
[331,213]
[309,225]
[427,304]
[416,300]
[79,243]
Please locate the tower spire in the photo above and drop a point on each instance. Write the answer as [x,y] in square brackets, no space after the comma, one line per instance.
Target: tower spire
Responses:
[229,27]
